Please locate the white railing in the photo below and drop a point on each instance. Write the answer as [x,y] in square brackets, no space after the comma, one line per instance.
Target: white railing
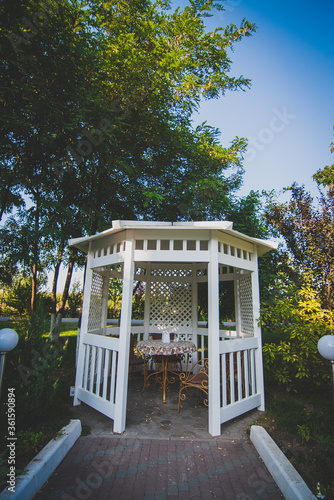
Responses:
[97,378]
[238,385]
[239,392]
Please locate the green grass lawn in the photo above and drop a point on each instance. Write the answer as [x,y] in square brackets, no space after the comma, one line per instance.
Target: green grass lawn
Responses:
[68,328]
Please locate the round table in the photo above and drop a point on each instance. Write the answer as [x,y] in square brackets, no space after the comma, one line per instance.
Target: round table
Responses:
[148,348]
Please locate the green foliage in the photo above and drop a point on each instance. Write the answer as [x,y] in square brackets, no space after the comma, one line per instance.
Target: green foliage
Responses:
[29,440]
[325,176]
[3,468]
[34,369]
[138,300]
[17,296]
[302,425]
[299,322]
[308,230]
[107,92]
[114,298]
[74,301]
[31,370]
[247,215]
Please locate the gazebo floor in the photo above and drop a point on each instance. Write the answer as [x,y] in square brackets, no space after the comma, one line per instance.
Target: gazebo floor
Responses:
[148,417]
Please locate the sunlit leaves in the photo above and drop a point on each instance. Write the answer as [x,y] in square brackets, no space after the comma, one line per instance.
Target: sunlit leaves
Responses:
[308,230]
[300,321]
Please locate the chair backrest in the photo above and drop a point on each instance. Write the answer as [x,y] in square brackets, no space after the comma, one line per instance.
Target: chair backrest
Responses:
[198,380]
[200,373]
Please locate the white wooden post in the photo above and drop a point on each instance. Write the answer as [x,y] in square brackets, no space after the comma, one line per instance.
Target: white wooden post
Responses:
[83,327]
[124,337]
[257,331]
[147,301]
[194,295]
[213,334]
[236,276]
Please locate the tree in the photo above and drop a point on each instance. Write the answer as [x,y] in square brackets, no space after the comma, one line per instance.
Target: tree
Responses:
[325,176]
[308,232]
[102,128]
[17,296]
[114,298]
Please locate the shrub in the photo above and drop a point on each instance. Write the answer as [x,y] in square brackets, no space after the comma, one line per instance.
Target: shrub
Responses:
[74,301]
[31,370]
[299,322]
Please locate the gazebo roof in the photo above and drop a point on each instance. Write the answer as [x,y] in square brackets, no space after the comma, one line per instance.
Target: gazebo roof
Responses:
[82,243]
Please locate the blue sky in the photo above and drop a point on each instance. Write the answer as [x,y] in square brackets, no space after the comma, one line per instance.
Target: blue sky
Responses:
[288,113]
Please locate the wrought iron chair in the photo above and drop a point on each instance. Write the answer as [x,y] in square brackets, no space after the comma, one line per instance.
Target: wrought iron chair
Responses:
[198,380]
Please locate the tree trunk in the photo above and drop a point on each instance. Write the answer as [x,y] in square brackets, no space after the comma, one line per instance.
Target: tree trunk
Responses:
[35,259]
[54,288]
[80,315]
[34,289]
[55,326]
[4,202]
[329,293]
[55,330]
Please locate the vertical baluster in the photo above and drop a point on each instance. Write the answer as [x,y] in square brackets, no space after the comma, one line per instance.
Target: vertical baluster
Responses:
[252,355]
[92,368]
[98,377]
[106,373]
[86,366]
[103,356]
[239,376]
[246,373]
[232,391]
[224,380]
[113,377]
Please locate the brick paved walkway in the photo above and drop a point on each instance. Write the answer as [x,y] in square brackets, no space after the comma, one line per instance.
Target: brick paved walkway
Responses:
[162,455]
[120,468]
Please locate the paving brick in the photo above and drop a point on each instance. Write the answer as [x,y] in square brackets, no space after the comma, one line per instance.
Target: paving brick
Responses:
[184,495]
[161,495]
[121,473]
[125,468]
[103,495]
[139,483]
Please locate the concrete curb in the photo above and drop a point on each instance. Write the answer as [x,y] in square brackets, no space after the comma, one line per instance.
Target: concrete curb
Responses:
[285,475]
[42,466]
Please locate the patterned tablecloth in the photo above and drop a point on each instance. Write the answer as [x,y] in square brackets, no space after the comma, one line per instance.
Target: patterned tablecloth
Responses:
[157,347]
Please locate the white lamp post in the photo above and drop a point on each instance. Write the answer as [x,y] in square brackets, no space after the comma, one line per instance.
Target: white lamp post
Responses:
[8,340]
[326,349]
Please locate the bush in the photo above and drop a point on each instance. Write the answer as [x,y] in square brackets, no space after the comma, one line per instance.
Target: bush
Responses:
[299,321]
[31,371]
[74,301]
[17,296]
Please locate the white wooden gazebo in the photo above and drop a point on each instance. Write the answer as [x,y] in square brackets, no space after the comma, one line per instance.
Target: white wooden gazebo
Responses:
[172,259]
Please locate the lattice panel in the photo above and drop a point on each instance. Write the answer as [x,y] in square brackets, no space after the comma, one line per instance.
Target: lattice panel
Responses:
[95,305]
[171,306]
[172,273]
[246,305]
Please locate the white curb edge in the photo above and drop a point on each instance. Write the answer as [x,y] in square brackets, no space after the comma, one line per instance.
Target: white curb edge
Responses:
[285,475]
[43,465]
